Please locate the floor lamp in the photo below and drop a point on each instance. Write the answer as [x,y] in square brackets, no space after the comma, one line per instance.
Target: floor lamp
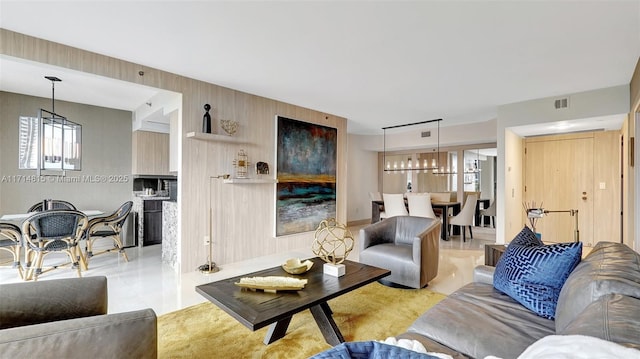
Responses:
[210,266]
[538,212]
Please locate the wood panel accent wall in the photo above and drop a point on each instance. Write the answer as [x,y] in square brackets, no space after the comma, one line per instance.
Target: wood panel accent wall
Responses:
[630,181]
[150,153]
[243,215]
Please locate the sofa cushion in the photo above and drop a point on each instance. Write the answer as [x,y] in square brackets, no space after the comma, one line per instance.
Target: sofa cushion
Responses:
[477,321]
[534,274]
[608,268]
[612,317]
[119,335]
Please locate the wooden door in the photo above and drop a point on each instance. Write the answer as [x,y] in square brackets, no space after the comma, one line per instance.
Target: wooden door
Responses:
[559,177]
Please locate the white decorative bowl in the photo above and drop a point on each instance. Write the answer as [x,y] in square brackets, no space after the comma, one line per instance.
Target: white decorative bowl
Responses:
[294,266]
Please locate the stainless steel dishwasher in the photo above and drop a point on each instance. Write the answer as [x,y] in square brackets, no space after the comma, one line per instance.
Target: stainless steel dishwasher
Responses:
[129,232]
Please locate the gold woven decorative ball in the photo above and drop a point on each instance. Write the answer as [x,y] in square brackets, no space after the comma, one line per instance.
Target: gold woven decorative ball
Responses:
[333,241]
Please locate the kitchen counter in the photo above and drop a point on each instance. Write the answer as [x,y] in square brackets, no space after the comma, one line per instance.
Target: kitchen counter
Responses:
[149,212]
[153,198]
[170,233]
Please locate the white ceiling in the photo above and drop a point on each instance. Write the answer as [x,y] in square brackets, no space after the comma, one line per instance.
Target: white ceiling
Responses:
[376,63]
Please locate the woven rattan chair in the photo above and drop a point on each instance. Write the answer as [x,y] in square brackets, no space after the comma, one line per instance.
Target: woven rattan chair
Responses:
[10,241]
[108,227]
[53,231]
[54,203]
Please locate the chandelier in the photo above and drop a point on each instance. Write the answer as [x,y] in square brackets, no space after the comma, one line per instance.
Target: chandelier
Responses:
[416,165]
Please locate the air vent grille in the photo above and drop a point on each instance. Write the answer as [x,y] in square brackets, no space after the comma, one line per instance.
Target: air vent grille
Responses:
[425,134]
[561,103]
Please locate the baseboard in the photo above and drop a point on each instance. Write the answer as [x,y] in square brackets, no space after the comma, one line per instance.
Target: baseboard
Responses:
[359,222]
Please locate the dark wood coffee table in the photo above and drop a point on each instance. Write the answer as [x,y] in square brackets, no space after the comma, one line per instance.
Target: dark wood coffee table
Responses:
[257,309]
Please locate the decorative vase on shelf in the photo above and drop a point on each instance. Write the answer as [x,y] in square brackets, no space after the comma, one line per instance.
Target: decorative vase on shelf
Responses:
[206,119]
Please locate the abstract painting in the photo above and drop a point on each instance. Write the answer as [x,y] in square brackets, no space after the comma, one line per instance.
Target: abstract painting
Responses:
[306,172]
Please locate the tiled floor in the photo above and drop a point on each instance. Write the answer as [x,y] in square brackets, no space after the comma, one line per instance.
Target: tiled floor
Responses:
[144,282]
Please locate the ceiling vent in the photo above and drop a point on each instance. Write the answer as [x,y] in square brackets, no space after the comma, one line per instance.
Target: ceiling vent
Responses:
[561,103]
[425,134]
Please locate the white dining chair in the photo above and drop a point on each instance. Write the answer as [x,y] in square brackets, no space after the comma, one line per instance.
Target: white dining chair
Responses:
[394,205]
[465,217]
[376,196]
[420,205]
[489,212]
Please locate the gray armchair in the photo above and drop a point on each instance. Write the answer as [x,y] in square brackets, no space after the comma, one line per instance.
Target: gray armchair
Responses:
[66,318]
[407,246]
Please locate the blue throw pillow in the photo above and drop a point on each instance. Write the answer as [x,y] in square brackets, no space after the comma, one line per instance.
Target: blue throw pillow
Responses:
[533,275]
[526,237]
[370,350]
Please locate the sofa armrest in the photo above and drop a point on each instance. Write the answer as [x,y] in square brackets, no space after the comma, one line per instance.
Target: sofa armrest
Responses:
[52,300]
[483,274]
[120,335]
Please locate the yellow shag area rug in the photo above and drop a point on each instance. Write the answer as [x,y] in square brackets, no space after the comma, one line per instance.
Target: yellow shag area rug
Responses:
[373,312]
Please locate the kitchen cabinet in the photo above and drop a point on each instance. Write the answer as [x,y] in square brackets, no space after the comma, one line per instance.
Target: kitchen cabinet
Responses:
[150,152]
[152,214]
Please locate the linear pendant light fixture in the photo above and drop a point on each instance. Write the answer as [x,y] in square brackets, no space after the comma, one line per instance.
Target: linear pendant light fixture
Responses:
[433,166]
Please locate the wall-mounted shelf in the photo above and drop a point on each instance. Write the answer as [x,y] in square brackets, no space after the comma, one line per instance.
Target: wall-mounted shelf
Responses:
[210,137]
[250,180]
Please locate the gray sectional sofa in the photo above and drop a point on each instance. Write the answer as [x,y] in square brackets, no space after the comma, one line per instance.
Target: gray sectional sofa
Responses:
[66,318]
[600,298]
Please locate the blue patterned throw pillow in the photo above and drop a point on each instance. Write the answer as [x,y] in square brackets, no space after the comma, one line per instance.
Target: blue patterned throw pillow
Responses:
[526,237]
[534,274]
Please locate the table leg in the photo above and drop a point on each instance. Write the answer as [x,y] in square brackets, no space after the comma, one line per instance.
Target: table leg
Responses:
[445,226]
[277,330]
[322,315]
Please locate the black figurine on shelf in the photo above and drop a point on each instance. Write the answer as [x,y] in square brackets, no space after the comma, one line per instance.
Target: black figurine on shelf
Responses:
[206,119]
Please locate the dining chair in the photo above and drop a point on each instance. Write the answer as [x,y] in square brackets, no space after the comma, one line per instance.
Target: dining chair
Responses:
[107,227]
[394,205]
[465,217]
[420,205]
[376,196]
[53,231]
[10,241]
[53,203]
[489,212]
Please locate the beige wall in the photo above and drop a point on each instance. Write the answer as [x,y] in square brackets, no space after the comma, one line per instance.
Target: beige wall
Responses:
[576,171]
[106,151]
[242,214]
[512,190]
[630,229]
[589,104]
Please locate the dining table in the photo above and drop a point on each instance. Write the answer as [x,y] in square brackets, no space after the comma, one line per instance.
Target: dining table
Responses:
[17,219]
[444,207]
[378,206]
